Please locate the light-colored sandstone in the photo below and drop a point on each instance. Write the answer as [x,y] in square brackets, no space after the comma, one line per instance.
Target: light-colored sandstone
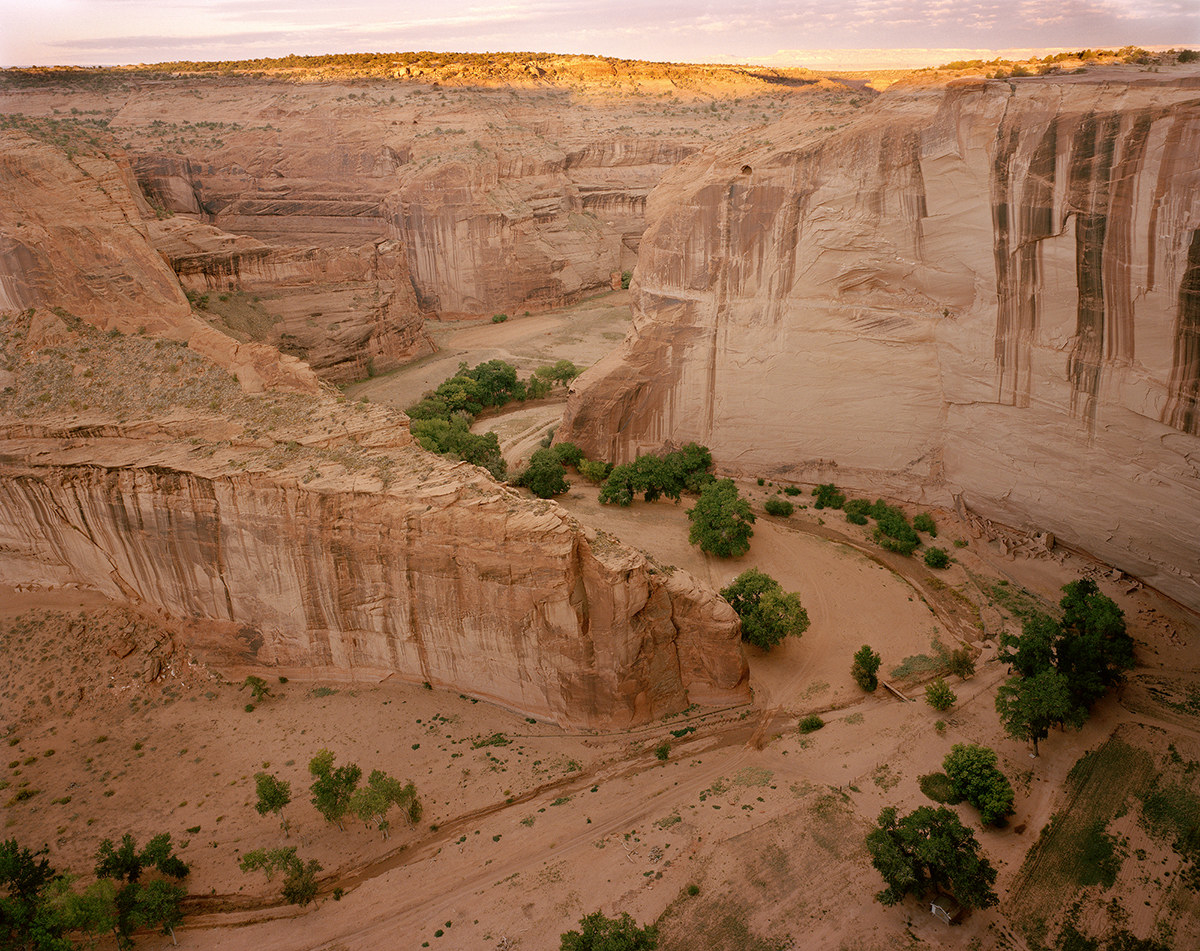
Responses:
[986,290]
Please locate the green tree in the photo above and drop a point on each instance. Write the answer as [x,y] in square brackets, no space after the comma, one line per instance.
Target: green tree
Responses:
[332,789]
[273,795]
[1032,652]
[721,520]
[939,695]
[865,669]
[568,453]
[930,851]
[1094,650]
[976,778]
[768,613]
[29,917]
[545,477]
[600,933]
[1029,706]
[300,877]
[372,802]
[134,904]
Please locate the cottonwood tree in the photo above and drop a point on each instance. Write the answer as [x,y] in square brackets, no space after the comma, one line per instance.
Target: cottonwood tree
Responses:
[332,789]
[721,520]
[1029,706]
[976,778]
[597,932]
[930,851]
[768,613]
[372,802]
[300,877]
[135,904]
[273,795]
[865,669]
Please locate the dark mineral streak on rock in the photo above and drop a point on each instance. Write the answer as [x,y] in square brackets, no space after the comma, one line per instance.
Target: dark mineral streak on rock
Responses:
[1181,411]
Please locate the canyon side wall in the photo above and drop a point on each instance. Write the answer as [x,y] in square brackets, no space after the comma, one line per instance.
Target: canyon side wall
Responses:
[985,291]
[441,576]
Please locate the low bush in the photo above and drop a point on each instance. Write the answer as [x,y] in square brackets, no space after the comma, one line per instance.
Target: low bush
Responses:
[828,496]
[937,558]
[790,490]
[777,506]
[545,476]
[811,723]
[939,695]
[857,510]
[923,522]
[593,470]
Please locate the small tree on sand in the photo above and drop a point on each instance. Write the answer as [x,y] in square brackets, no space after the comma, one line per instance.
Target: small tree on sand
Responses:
[865,669]
[768,613]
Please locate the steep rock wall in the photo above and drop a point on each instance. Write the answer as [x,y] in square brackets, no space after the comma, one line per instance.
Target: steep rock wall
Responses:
[986,291]
[442,576]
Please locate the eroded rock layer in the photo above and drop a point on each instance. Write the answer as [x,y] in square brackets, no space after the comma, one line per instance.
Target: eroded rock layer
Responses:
[433,573]
[986,290]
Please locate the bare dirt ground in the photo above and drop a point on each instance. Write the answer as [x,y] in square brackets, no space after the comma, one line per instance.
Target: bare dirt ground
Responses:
[523,835]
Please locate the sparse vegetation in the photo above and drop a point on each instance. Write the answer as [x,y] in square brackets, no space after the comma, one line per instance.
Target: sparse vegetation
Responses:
[937,558]
[828,496]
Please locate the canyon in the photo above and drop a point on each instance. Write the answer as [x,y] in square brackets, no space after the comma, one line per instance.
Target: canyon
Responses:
[221,285]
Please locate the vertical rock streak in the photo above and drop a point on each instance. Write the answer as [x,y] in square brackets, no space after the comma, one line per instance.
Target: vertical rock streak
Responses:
[1181,409]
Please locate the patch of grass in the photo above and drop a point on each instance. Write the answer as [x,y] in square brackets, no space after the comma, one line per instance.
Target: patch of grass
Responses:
[1173,812]
[753,776]
[938,787]
[1099,786]
[496,739]
[322,691]
[1101,854]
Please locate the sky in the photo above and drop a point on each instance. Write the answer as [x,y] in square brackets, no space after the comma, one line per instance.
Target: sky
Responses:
[818,33]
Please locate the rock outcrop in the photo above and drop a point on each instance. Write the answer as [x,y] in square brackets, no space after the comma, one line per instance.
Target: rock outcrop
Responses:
[74,240]
[432,572]
[986,290]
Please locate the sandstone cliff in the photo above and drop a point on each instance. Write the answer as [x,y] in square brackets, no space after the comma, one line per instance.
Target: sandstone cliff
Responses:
[986,290]
[423,569]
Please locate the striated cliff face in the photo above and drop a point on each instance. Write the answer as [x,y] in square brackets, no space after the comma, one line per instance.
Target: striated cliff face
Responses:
[469,198]
[73,239]
[985,291]
[434,573]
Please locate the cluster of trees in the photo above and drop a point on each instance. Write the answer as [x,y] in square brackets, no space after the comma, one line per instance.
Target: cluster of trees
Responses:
[134,889]
[336,793]
[598,932]
[1061,668]
[655,477]
[441,420]
[892,528]
[768,613]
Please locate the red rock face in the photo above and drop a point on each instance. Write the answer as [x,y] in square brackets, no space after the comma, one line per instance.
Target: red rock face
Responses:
[442,576]
[983,292]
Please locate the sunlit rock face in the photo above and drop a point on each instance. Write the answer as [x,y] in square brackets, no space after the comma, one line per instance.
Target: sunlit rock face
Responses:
[987,291]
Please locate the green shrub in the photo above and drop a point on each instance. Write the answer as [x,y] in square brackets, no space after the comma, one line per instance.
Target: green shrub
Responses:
[568,454]
[663,750]
[1187,56]
[923,522]
[939,695]
[593,470]
[937,558]
[777,506]
[811,723]
[499,318]
[856,511]
[828,496]
[790,490]
[627,276]
[892,531]
[939,787]
[973,773]
[545,476]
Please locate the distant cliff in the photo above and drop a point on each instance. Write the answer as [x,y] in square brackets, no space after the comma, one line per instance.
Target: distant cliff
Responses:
[987,291]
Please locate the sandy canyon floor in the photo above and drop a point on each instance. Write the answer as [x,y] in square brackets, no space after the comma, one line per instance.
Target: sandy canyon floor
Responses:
[527,827]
